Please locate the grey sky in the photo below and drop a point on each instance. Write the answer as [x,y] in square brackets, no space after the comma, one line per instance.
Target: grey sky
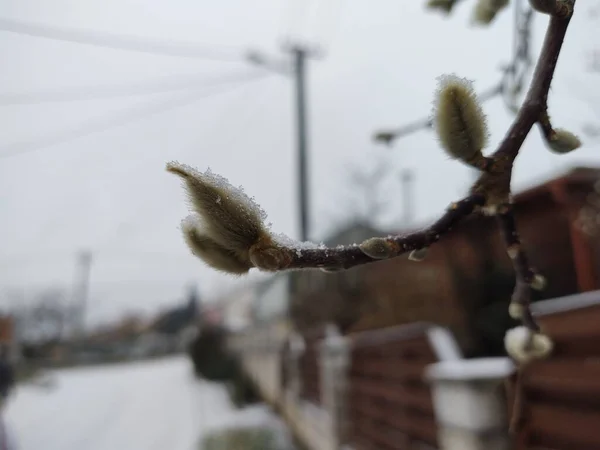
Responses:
[109,192]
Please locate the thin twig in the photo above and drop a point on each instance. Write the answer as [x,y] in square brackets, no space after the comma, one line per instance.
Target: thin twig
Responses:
[524,274]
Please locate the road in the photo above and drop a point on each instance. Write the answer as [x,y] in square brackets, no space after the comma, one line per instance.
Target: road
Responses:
[153,405]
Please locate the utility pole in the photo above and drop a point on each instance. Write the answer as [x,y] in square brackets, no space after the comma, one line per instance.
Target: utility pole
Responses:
[299,55]
[84,264]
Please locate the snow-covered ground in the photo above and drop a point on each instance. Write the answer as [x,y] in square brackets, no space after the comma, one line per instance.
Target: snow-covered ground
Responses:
[153,405]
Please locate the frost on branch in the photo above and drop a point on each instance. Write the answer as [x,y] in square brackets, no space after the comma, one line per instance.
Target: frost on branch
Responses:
[524,345]
[459,120]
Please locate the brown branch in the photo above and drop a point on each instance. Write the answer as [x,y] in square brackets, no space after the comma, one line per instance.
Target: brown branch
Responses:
[347,257]
[524,273]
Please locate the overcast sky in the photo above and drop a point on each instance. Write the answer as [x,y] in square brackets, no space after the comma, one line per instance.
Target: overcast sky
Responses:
[108,191]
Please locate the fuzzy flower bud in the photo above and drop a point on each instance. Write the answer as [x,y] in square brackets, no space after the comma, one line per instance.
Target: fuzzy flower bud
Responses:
[563,141]
[377,248]
[227,230]
[523,346]
[211,252]
[458,119]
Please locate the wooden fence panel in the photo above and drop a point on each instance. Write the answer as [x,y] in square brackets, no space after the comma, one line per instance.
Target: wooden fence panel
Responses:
[389,405]
[560,397]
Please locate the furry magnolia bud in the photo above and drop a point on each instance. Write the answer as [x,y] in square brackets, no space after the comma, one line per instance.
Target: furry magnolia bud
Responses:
[211,252]
[227,223]
[487,10]
[377,248]
[458,119]
[523,346]
[563,141]
[229,217]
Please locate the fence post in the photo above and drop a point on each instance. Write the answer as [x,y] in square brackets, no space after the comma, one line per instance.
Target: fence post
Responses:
[334,358]
[469,405]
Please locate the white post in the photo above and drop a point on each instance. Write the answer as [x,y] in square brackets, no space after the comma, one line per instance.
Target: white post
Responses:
[334,362]
[469,407]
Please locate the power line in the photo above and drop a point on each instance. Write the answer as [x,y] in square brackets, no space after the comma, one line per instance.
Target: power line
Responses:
[162,85]
[117,41]
[107,122]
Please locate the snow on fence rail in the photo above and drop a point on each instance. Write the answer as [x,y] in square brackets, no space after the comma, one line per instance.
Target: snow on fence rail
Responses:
[560,397]
[389,404]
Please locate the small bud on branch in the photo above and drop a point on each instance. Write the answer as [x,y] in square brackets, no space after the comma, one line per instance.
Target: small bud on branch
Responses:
[524,346]
[558,140]
[563,141]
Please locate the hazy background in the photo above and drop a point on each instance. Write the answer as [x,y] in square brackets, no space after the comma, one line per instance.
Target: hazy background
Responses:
[108,191]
